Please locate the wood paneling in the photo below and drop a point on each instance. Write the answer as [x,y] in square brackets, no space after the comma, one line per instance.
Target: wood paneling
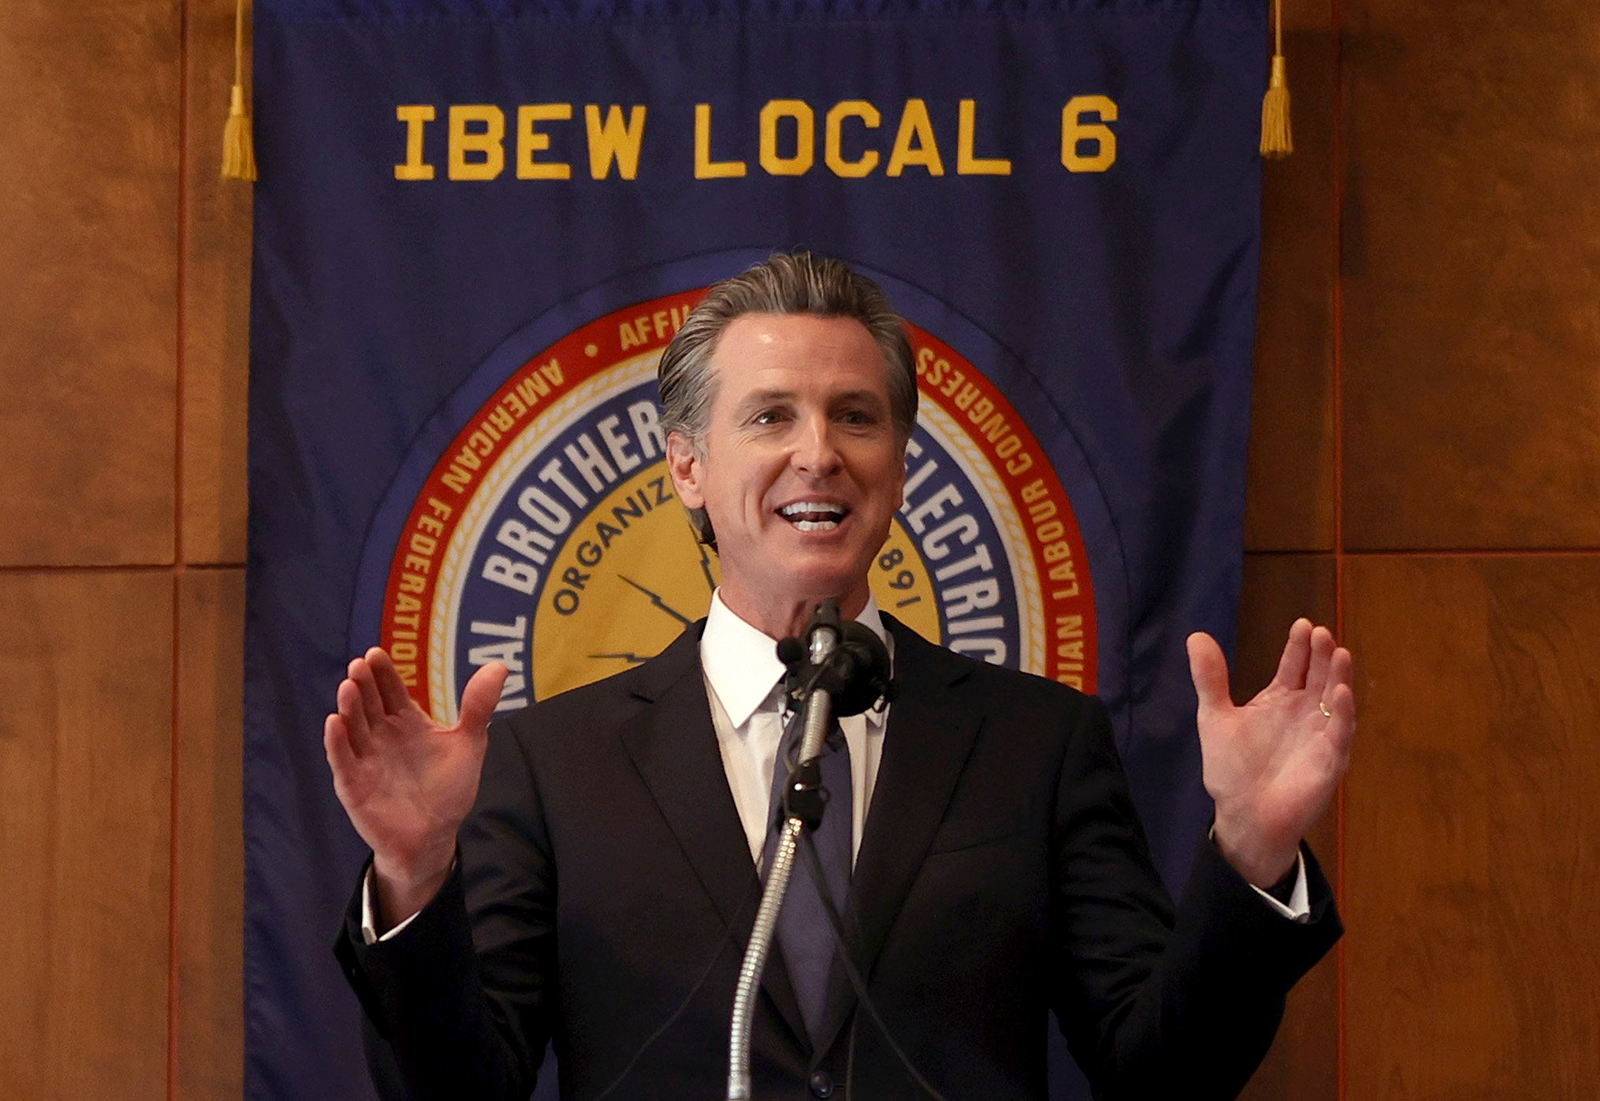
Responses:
[1472,875]
[208,1012]
[85,752]
[88,280]
[216,298]
[1304,1060]
[1472,274]
[1470,280]
[1290,502]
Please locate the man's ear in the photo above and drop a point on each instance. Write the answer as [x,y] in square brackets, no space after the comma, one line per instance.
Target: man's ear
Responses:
[684,464]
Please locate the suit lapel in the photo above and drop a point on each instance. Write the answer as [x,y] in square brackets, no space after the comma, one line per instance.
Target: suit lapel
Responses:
[931,732]
[674,747]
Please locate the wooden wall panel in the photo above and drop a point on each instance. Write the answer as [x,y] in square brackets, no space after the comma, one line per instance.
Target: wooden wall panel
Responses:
[1472,274]
[216,299]
[1304,1060]
[208,921]
[88,280]
[1472,875]
[1290,501]
[85,753]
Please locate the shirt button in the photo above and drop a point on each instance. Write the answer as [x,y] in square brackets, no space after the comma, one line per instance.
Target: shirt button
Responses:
[821,1084]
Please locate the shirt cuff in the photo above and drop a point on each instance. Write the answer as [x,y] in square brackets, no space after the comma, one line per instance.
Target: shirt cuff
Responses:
[1298,908]
[369,914]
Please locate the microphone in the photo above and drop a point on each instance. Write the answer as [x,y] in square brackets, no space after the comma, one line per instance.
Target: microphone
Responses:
[864,671]
[839,669]
[844,659]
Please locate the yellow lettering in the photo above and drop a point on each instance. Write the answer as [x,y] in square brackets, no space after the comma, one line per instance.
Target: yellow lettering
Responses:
[489,141]
[704,167]
[914,123]
[613,141]
[805,137]
[967,164]
[415,116]
[1074,131]
[531,140]
[833,141]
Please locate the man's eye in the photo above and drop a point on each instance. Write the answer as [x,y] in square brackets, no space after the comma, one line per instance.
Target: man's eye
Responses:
[767,416]
[858,416]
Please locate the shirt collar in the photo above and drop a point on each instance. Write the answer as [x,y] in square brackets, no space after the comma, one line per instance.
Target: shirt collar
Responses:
[741,663]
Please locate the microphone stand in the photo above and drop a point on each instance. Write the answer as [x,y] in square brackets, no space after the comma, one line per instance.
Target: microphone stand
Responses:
[803,805]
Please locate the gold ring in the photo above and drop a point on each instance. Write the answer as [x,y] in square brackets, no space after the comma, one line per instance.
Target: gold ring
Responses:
[1322,707]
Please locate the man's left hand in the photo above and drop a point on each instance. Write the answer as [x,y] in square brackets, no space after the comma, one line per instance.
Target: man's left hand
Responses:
[1272,765]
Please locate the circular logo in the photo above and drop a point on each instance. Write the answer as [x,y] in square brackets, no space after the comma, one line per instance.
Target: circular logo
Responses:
[547,535]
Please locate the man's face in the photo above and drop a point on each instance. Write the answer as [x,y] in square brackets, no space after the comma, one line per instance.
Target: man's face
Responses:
[800,469]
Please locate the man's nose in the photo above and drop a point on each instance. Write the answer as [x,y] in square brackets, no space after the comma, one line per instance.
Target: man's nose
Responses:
[815,453]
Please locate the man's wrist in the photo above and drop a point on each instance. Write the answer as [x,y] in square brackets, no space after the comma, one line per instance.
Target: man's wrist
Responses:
[402,889]
[1264,867]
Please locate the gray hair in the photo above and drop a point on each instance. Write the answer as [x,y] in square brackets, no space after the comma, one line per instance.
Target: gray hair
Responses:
[785,283]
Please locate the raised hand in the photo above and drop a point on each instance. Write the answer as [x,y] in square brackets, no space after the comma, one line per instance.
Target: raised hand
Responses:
[406,782]
[1272,765]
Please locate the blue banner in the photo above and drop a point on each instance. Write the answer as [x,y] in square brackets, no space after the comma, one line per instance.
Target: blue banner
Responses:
[477,226]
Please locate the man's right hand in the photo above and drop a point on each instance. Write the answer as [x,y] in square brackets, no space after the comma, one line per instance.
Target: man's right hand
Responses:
[406,782]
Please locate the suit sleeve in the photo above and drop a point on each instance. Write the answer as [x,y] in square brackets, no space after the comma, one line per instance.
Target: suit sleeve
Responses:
[1156,1001]
[459,1004]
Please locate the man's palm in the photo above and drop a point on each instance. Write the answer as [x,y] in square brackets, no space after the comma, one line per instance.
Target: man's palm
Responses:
[407,782]
[1272,765]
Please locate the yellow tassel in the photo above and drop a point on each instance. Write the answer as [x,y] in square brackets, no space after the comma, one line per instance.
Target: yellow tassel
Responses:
[238,139]
[238,142]
[1276,138]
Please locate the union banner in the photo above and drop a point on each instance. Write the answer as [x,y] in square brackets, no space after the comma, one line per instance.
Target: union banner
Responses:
[479,223]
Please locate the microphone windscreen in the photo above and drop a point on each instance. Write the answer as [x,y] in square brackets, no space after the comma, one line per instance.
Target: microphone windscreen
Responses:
[790,650]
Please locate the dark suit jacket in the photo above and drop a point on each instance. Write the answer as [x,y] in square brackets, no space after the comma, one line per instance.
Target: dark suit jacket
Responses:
[605,891]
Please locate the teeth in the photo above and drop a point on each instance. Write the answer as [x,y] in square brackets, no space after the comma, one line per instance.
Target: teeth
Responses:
[801,507]
[816,525]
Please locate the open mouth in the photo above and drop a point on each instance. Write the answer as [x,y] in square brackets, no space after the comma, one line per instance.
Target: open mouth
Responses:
[814,515]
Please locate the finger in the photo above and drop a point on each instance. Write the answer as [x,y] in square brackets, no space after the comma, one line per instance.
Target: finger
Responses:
[481,696]
[1296,653]
[1321,653]
[1209,669]
[1341,670]
[336,745]
[354,716]
[360,674]
[393,690]
[1342,726]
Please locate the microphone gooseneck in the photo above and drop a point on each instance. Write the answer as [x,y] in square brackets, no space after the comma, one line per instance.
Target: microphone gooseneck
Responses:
[840,669]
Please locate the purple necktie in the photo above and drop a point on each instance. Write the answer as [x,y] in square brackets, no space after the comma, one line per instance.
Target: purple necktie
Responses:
[804,934]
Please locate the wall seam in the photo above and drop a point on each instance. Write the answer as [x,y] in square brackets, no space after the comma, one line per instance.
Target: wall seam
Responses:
[177,544]
[1337,167]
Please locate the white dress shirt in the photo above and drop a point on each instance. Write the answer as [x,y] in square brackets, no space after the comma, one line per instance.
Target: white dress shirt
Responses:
[742,676]
[743,681]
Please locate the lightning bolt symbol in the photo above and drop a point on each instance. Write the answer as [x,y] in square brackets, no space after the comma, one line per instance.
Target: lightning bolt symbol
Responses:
[629,657]
[655,598]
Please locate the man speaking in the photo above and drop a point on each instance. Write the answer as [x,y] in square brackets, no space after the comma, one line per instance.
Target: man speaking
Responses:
[587,871]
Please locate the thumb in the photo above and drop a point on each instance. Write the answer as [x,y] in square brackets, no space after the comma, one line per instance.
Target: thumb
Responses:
[1209,670]
[482,694]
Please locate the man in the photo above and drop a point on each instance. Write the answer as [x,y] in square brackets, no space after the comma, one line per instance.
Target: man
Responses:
[598,884]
